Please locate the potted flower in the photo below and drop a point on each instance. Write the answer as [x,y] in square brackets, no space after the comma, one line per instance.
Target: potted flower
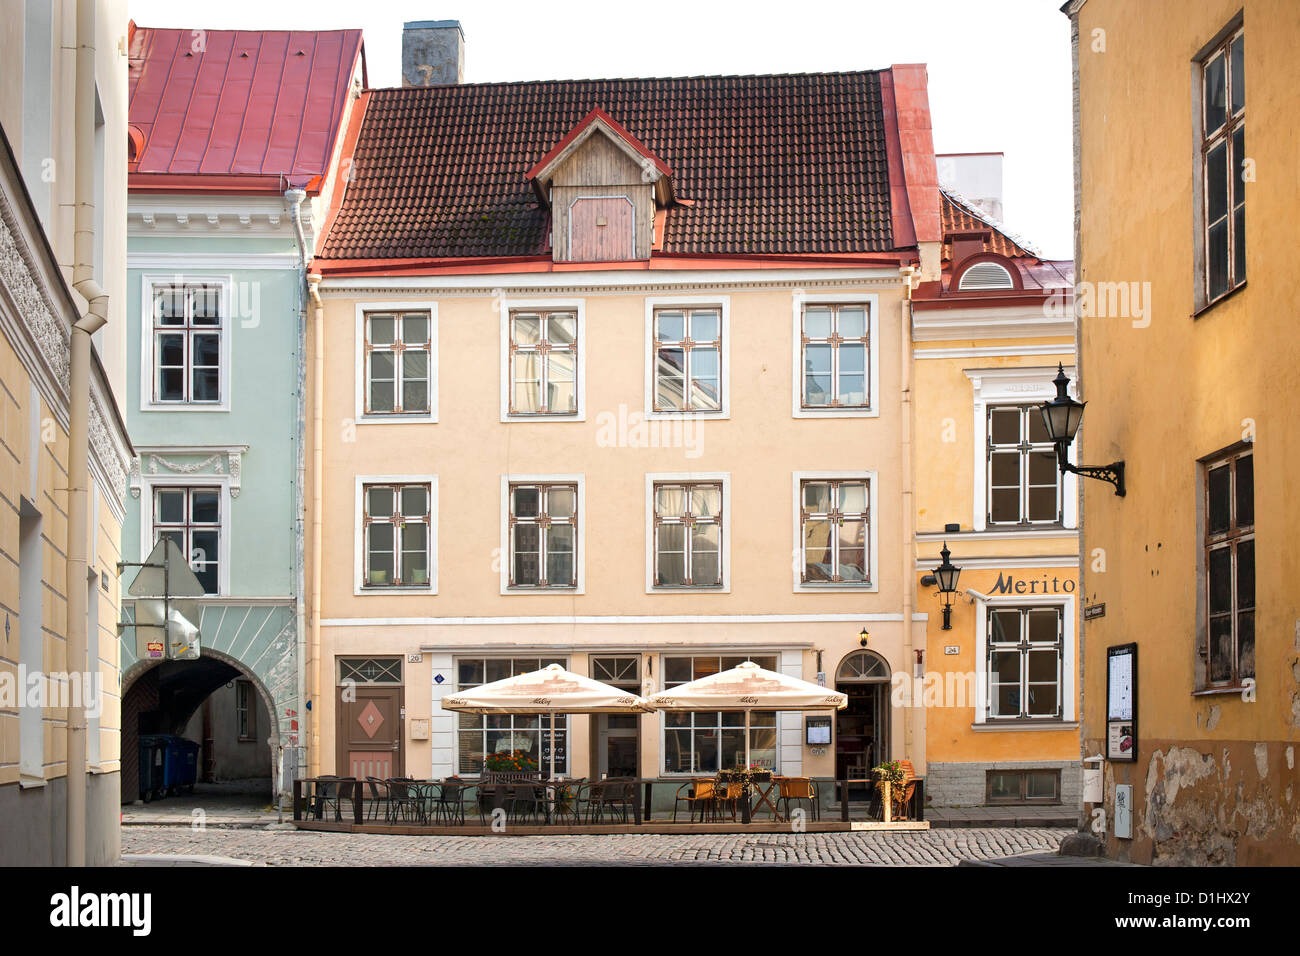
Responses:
[892,778]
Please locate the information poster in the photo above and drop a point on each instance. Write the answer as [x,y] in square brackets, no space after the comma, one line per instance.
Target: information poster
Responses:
[1121,703]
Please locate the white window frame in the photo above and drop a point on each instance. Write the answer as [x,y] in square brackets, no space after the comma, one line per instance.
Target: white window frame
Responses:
[543,304]
[454,686]
[688,302]
[1069,638]
[661,684]
[359,535]
[149,483]
[580,571]
[147,370]
[719,477]
[1015,386]
[1025,413]
[873,531]
[872,302]
[359,349]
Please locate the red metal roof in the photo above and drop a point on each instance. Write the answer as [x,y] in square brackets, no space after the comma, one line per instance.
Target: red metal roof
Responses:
[771,165]
[233,103]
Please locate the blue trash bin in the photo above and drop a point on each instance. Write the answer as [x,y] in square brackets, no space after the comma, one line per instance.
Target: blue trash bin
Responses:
[152,760]
[173,763]
[189,764]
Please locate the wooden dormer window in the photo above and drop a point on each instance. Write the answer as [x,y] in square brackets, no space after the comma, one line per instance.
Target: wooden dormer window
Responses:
[604,189]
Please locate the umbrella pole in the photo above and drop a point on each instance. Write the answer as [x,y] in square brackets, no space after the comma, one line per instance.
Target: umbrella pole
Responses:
[552,745]
[746,740]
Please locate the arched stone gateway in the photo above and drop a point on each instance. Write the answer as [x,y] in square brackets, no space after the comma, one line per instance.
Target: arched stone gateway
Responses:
[249,642]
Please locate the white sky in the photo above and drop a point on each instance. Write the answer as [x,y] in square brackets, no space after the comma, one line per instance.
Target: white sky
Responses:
[999,69]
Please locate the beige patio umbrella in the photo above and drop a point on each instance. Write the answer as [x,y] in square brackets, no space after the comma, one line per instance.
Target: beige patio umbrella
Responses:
[749,687]
[551,690]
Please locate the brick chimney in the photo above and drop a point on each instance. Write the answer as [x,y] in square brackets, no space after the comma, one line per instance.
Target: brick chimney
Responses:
[433,53]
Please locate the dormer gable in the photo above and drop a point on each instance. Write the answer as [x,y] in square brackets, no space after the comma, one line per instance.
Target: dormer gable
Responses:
[603,188]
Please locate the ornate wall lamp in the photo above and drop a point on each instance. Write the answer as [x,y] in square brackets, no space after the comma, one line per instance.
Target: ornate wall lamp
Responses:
[1062,416]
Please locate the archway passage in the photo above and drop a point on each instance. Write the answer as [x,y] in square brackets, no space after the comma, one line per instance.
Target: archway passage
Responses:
[215,704]
[862,729]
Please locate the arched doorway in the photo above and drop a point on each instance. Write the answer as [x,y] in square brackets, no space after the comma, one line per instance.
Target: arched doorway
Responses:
[862,729]
[169,697]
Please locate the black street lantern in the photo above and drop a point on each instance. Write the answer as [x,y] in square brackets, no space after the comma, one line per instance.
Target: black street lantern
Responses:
[946,575]
[1061,418]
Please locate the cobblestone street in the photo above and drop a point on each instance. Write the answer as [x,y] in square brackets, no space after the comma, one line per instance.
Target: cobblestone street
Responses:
[300,848]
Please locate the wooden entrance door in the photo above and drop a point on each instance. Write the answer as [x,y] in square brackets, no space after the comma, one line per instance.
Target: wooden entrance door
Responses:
[370,734]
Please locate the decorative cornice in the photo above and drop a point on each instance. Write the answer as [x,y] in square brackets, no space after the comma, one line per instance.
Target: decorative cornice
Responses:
[35,326]
[222,463]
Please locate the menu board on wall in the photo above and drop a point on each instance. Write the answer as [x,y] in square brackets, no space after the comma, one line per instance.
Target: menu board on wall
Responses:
[1121,703]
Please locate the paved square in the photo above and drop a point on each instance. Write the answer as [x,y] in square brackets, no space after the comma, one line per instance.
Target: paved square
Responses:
[301,848]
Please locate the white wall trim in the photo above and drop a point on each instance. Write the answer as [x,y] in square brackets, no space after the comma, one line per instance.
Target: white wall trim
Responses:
[359,536]
[359,363]
[540,303]
[618,281]
[872,302]
[1019,385]
[173,262]
[504,553]
[994,351]
[725,478]
[686,302]
[226,330]
[926,565]
[1000,322]
[1069,633]
[619,620]
[873,533]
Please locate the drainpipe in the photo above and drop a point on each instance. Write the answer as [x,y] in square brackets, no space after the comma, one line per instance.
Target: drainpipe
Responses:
[96,315]
[908,275]
[317,496]
[293,199]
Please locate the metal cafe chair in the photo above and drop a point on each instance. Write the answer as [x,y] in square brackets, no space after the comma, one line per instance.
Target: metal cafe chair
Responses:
[377,798]
[701,793]
[524,801]
[798,789]
[608,801]
[403,801]
[450,805]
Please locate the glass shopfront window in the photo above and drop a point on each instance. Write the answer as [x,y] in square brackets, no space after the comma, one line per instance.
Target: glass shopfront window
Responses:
[706,741]
[480,735]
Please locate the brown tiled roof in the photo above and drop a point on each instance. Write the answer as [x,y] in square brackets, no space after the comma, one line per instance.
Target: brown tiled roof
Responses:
[958,218]
[775,164]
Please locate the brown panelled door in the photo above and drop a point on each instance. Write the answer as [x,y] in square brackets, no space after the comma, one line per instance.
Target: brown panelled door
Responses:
[370,733]
[602,229]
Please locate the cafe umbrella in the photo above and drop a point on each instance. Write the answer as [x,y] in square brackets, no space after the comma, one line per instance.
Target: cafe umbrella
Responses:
[748,687]
[549,691]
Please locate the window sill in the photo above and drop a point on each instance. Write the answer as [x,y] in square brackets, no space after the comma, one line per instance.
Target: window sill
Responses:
[515,590]
[683,415]
[544,417]
[689,589]
[1014,725]
[815,588]
[836,412]
[397,588]
[1219,691]
[420,419]
[1217,302]
[184,407]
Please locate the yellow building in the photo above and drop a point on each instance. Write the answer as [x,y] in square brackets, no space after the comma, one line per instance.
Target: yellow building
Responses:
[999,686]
[48,582]
[1185,151]
[621,386]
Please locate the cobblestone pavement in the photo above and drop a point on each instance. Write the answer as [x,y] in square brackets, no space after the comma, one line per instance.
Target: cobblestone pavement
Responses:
[302,848]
